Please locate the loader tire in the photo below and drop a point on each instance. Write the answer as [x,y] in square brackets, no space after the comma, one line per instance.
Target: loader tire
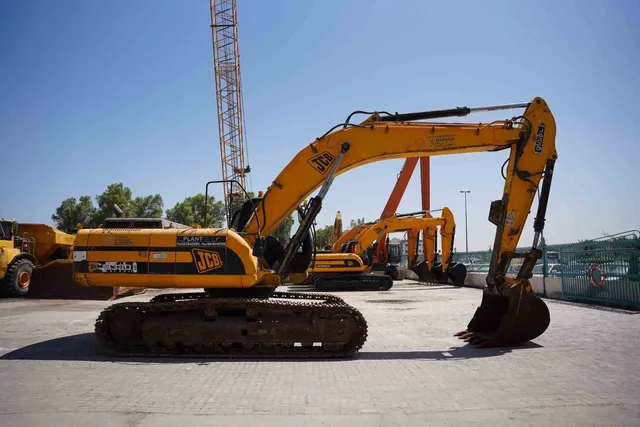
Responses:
[18,279]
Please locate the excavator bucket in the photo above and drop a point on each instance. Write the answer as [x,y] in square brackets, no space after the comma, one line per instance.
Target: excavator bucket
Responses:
[455,274]
[424,274]
[507,319]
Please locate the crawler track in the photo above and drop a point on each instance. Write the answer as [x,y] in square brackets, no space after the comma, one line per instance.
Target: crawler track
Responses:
[196,325]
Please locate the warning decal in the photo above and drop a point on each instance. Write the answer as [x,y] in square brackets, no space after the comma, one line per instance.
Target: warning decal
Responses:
[511,217]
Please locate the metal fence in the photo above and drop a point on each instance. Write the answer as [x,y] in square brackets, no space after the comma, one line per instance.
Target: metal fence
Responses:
[604,269]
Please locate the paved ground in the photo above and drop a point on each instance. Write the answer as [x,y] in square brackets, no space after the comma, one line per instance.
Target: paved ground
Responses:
[584,371]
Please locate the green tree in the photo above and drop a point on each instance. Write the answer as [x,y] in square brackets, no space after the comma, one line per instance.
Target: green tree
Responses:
[147,207]
[356,222]
[323,235]
[115,193]
[191,211]
[73,212]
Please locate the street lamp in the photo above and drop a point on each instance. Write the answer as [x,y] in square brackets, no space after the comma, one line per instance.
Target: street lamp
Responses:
[466,232]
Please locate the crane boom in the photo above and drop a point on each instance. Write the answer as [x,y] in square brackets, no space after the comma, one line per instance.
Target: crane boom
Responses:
[226,58]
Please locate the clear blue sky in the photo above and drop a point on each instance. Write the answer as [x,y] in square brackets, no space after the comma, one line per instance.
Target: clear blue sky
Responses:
[120,91]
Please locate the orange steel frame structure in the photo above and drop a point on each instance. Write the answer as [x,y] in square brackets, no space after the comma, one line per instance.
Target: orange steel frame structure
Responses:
[382,252]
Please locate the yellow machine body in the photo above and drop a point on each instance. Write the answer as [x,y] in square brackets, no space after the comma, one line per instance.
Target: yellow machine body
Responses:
[337,263]
[170,258]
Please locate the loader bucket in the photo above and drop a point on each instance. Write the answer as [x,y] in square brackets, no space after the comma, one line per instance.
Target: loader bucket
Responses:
[508,319]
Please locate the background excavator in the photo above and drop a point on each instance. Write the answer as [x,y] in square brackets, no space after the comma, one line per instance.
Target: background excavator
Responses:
[338,244]
[336,230]
[431,269]
[244,264]
[351,268]
[445,272]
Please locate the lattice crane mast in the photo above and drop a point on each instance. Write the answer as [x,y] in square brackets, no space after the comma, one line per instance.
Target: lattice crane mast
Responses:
[224,30]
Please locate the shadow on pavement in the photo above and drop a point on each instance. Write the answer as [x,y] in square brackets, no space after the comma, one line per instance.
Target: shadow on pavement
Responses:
[83,347]
[395,288]
[454,353]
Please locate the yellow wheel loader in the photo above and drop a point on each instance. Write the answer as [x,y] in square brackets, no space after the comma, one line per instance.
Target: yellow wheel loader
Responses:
[241,314]
[36,262]
[17,260]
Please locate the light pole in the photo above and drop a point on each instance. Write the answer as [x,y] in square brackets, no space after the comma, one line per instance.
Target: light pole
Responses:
[466,232]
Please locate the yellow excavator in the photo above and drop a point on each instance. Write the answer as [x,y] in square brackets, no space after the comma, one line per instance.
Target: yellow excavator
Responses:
[241,314]
[431,270]
[351,269]
[445,272]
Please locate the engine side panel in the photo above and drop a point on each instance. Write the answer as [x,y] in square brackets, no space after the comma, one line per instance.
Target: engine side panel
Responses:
[181,258]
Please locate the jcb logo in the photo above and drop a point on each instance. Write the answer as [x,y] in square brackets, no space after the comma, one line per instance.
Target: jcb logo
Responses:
[206,260]
[322,162]
[539,139]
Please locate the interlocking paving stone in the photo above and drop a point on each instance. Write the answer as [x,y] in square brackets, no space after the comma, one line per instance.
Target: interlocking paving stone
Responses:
[583,371]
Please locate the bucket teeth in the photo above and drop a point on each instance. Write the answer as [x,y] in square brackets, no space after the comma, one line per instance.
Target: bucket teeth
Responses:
[505,321]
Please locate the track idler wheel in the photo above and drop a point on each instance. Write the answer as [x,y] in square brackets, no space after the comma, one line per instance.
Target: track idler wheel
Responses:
[507,319]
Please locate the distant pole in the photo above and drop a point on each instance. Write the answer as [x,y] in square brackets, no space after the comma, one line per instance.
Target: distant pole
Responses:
[466,229]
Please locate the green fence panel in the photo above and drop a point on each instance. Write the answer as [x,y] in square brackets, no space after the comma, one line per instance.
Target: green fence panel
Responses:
[604,274]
